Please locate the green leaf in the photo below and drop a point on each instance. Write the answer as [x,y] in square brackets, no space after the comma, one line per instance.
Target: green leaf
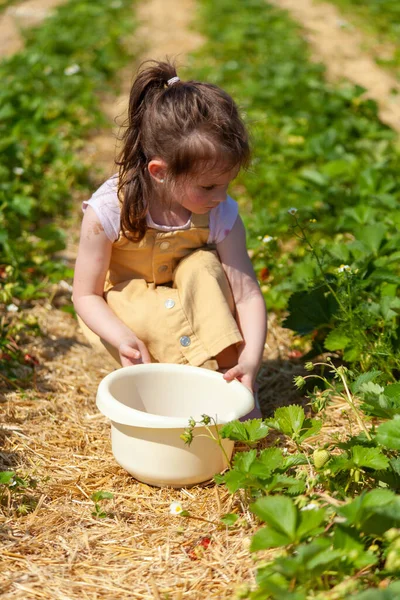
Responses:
[283,482]
[234,480]
[380,405]
[339,463]
[372,512]
[336,340]
[362,379]
[393,390]
[242,461]
[372,236]
[388,434]
[268,461]
[310,520]
[352,353]
[288,419]
[248,431]
[101,495]
[310,427]
[395,464]
[267,537]
[292,460]
[392,592]
[310,310]
[335,168]
[372,458]
[383,276]
[315,177]
[324,559]
[279,513]
[347,539]
[229,519]
[22,205]
[6,477]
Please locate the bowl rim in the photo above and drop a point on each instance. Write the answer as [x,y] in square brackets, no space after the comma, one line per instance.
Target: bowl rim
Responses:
[124,415]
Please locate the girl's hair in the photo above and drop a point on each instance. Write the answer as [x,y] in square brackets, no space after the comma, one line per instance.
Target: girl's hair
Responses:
[190,125]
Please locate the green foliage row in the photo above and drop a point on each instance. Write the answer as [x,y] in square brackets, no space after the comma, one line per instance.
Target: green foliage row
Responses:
[48,102]
[324,231]
[380,16]
[381,20]
[332,511]
[5,4]
[320,153]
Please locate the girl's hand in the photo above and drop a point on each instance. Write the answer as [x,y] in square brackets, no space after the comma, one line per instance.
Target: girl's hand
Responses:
[245,371]
[133,351]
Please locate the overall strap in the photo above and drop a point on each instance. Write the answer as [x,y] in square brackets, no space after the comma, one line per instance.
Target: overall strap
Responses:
[201,220]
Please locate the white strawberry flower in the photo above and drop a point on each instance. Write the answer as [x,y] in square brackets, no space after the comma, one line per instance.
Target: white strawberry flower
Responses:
[72,70]
[310,506]
[343,268]
[12,308]
[175,508]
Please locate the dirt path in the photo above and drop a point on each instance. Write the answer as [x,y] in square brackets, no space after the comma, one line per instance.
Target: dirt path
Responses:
[26,14]
[164,32]
[341,50]
[54,433]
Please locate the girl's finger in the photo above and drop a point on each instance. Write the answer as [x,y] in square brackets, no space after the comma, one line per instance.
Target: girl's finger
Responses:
[233,373]
[146,358]
[129,352]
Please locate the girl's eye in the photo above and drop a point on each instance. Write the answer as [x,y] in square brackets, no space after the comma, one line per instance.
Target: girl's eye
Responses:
[208,187]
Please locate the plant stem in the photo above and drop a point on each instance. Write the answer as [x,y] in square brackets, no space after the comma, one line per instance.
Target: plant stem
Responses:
[217,440]
[17,387]
[353,406]
[315,255]
[199,519]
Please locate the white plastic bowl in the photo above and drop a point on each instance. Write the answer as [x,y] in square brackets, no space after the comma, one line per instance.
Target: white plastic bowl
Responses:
[150,406]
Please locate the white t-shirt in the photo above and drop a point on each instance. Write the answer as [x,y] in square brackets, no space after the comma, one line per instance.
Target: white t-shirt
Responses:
[106,205]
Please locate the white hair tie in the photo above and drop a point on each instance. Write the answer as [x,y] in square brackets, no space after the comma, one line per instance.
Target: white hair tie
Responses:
[172,81]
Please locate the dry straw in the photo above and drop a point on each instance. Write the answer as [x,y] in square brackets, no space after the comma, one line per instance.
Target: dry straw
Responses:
[53,433]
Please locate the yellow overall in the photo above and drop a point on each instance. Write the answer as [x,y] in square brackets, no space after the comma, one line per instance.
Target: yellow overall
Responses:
[171,290]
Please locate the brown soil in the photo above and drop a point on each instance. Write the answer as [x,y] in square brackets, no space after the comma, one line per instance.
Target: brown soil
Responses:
[54,433]
[342,51]
[26,14]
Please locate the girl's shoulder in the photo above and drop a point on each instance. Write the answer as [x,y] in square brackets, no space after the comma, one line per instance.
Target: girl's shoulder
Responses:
[222,220]
[106,205]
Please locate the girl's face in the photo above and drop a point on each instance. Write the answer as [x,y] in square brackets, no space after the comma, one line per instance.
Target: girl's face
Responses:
[202,192]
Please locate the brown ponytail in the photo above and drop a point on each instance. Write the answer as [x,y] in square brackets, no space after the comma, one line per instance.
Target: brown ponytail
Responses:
[188,125]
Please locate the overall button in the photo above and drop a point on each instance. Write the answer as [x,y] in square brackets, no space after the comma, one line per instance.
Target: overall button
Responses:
[185,340]
[169,303]
[164,245]
[163,268]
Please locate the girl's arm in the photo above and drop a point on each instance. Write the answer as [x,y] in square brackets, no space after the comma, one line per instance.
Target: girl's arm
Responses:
[250,305]
[90,271]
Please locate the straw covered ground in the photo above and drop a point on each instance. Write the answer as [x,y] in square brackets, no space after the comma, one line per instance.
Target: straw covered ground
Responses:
[54,434]
[52,545]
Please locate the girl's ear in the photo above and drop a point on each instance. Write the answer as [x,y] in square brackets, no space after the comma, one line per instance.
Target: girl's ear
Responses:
[157,169]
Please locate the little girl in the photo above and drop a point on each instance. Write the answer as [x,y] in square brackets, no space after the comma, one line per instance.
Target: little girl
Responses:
[162,273]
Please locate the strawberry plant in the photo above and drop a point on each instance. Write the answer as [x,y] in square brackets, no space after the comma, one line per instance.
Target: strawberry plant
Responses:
[321,155]
[5,4]
[49,102]
[379,16]
[17,493]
